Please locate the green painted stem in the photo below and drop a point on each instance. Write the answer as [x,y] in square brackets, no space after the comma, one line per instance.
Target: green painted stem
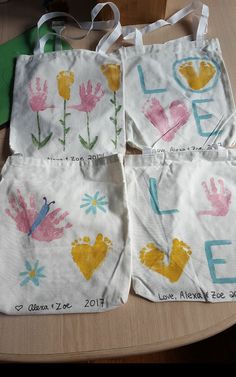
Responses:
[39,130]
[64,126]
[88,130]
[115,119]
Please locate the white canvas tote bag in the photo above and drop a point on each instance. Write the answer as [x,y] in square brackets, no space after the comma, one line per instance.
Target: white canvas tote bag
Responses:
[178,94]
[63,236]
[69,103]
[182,213]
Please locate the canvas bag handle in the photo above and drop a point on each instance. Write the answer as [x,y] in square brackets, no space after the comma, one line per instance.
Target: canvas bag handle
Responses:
[200,23]
[111,37]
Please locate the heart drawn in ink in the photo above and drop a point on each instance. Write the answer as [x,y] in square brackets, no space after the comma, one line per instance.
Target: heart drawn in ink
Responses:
[153,258]
[89,257]
[18,307]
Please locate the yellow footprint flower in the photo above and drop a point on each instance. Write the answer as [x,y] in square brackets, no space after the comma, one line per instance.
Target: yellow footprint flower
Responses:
[64,81]
[112,74]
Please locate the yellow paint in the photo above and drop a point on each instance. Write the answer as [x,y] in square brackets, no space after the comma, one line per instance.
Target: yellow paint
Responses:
[32,274]
[89,257]
[112,74]
[94,202]
[195,80]
[86,239]
[64,81]
[153,258]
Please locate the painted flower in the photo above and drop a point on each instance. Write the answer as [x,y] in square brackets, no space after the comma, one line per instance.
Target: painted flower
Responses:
[93,203]
[32,273]
[37,102]
[112,74]
[38,95]
[64,81]
[88,100]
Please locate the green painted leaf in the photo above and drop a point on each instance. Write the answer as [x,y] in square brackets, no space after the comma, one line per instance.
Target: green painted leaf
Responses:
[113,120]
[113,142]
[112,101]
[83,142]
[67,130]
[45,141]
[62,122]
[66,114]
[91,145]
[118,108]
[35,141]
[61,141]
[119,131]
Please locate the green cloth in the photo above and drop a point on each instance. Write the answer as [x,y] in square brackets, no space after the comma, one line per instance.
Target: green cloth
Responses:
[9,51]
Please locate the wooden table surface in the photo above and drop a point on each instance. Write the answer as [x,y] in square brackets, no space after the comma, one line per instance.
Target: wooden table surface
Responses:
[139,326]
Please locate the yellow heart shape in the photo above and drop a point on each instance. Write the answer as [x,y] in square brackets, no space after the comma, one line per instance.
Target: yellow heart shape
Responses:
[153,258]
[89,257]
[197,80]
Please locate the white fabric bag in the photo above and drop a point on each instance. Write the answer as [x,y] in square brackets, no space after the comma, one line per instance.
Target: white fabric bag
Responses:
[182,213]
[69,103]
[178,94]
[64,236]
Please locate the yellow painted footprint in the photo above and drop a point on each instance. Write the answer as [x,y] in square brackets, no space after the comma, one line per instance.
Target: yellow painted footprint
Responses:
[89,257]
[153,258]
[197,80]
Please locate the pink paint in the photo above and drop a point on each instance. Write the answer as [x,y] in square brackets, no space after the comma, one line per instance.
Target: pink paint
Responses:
[24,217]
[220,201]
[38,96]
[155,113]
[88,98]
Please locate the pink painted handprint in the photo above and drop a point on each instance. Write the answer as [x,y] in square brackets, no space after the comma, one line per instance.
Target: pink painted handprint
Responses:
[220,200]
[38,95]
[88,103]
[39,224]
[88,98]
[156,114]
[37,101]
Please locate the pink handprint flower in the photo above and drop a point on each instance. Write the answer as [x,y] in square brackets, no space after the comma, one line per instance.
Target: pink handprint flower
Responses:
[38,224]
[220,199]
[156,114]
[38,95]
[88,103]
[37,102]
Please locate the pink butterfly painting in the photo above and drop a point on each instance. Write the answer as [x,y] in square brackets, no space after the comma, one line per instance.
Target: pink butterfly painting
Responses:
[41,224]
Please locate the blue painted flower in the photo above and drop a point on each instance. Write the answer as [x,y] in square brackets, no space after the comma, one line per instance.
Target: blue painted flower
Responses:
[32,273]
[93,203]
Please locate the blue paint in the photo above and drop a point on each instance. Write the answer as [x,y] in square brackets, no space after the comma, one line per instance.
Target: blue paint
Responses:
[154,199]
[35,277]
[180,81]
[41,216]
[212,262]
[199,118]
[142,83]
